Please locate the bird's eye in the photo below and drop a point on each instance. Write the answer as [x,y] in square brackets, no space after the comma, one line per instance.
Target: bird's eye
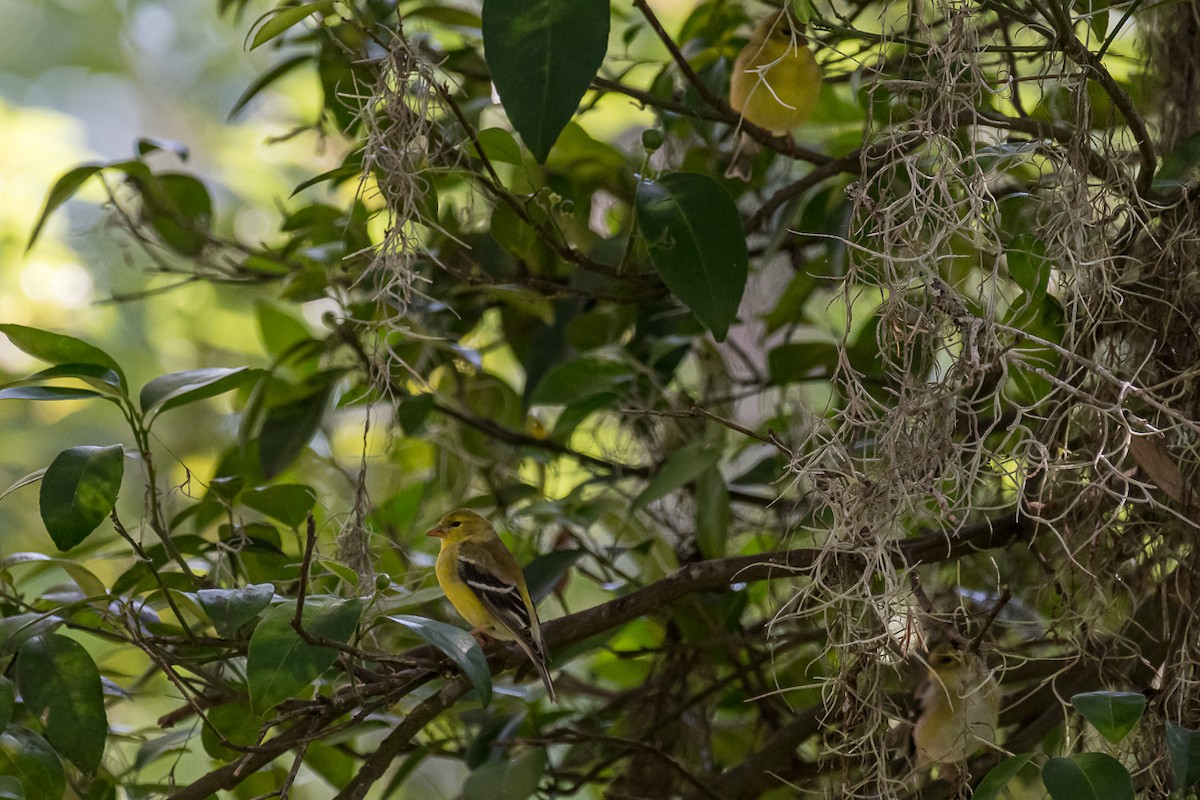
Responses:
[455,524]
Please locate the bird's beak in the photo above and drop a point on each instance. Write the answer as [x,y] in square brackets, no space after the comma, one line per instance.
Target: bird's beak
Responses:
[437,532]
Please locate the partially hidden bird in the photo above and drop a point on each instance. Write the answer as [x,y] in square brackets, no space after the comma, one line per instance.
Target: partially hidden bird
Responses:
[486,586]
[775,83]
[959,710]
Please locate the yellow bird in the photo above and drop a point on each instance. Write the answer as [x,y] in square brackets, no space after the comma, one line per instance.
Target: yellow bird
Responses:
[775,83]
[959,710]
[485,584]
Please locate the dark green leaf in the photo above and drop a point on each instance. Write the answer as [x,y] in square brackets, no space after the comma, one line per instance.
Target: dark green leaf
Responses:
[79,490]
[98,377]
[55,348]
[411,412]
[62,191]
[279,330]
[681,468]
[1180,163]
[694,234]
[280,19]
[179,209]
[580,379]
[993,784]
[10,788]
[1112,713]
[713,513]
[32,761]
[1087,776]
[87,582]
[800,361]
[543,55]
[47,393]
[153,749]
[280,664]
[288,503]
[546,571]
[20,628]
[287,430]
[230,609]
[60,684]
[180,388]
[507,779]
[498,145]
[458,645]
[266,79]
[148,145]
[1183,745]
[1028,265]
[6,702]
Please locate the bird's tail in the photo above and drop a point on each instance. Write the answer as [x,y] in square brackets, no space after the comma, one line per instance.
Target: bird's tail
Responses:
[538,657]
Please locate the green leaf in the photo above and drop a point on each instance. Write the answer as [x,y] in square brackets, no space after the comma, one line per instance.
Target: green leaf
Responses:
[10,788]
[713,513]
[230,609]
[507,779]
[694,234]
[1183,745]
[992,787]
[180,388]
[266,79]
[280,331]
[280,664]
[55,348]
[681,468]
[32,477]
[47,393]
[800,361]
[179,208]
[288,428]
[1087,776]
[84,578]
[546,571]
[1112,713]
[458,645]
[580,379]
[60,684]
[62,191]
[32,761]
[280,19]
[79,490]
[1028,265]
[543,55]
[288,503]
[7,699]
[20,628]
[498,145]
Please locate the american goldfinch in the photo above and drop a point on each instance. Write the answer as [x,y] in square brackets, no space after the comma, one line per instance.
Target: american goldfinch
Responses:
[775,83]
[959,710]
[485,584]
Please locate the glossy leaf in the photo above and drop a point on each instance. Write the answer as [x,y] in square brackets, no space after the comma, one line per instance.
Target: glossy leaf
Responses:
[84,578]
[280,664]
[60,684]
[800,361]
[993,784]
[20,628]
[40,393]
[580,379]
[1087,776]
[79,490]
[31,760]
[1183,746]
[56,348]
[1113,714]
[279,20]
[543,55]
[288,428]
[459,645]
[62,191]
[230,609]
[180,388]
[507,779]
[7,699]
[681,468]
[694,234]
[288,503]
[548,570]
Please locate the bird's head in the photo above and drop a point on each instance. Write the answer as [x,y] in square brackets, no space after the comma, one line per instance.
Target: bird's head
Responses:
[460,523]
